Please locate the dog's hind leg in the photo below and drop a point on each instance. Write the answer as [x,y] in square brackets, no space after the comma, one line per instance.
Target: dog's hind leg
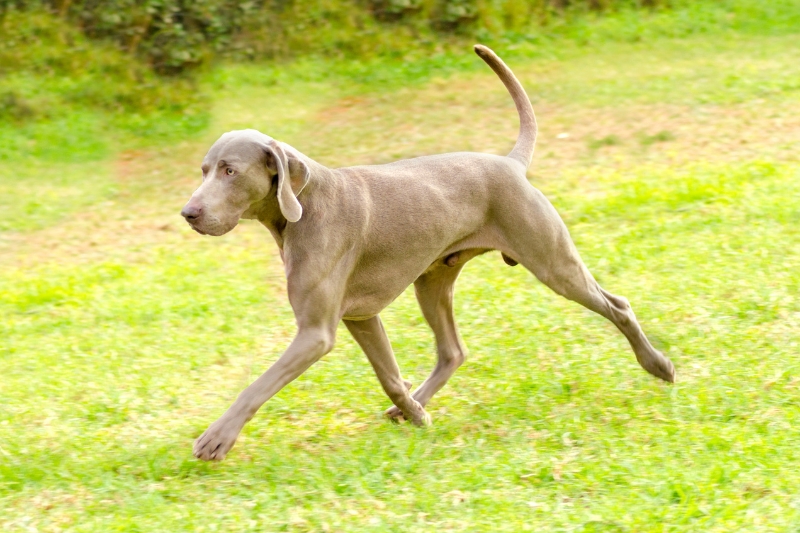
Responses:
[539,240]
[370,335]
[434,291]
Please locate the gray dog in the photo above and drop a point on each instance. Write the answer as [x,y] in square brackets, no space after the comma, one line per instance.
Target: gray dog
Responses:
[352,239]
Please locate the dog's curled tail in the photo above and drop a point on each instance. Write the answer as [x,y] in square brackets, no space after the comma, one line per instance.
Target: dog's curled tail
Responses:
[526,140]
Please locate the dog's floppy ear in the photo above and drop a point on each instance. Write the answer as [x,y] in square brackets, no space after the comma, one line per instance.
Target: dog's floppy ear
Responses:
[292,178]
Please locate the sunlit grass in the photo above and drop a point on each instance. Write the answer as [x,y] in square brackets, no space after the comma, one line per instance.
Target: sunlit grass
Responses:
[115,367]
[123,333]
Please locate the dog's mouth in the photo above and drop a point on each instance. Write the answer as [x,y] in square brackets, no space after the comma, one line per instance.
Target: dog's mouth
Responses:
[197,229]
[210,228]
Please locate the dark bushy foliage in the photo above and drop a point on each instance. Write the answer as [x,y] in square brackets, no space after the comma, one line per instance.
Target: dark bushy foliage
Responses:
[173,35]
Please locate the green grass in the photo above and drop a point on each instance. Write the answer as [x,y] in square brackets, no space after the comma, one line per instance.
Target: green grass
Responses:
[114,367]
[36,194]
[66,98]
[123,334]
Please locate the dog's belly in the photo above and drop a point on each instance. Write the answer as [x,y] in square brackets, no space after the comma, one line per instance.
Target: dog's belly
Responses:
[384,271]
[372,289]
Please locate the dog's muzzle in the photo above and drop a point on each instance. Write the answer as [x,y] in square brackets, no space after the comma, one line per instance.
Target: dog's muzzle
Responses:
[192,213]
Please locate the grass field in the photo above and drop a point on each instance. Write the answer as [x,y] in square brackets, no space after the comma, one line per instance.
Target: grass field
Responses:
[674,162]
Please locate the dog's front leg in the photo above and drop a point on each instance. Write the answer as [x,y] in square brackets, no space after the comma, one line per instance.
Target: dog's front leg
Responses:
[310,344]
[372,338]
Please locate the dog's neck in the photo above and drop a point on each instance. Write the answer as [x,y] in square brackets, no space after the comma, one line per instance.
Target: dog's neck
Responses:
[268,212]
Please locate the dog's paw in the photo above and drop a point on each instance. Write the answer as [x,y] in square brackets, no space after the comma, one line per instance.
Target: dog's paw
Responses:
[394,413]
[667,370]
[421,417]
[216,441]
[660,366]
[424,421]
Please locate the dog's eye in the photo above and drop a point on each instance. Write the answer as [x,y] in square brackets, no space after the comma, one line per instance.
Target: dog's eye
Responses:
[230,171]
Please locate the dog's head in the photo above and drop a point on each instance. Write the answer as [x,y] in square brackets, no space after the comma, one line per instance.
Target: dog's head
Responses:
[240,171]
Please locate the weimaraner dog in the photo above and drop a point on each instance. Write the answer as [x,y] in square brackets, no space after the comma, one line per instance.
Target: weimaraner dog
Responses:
[352,239]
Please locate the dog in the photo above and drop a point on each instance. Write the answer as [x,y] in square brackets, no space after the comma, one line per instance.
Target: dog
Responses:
[352,239]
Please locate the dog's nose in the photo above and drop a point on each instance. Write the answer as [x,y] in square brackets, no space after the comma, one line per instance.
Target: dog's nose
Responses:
[191,212]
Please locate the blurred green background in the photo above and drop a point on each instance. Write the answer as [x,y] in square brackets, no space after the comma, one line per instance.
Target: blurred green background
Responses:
[669,138]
